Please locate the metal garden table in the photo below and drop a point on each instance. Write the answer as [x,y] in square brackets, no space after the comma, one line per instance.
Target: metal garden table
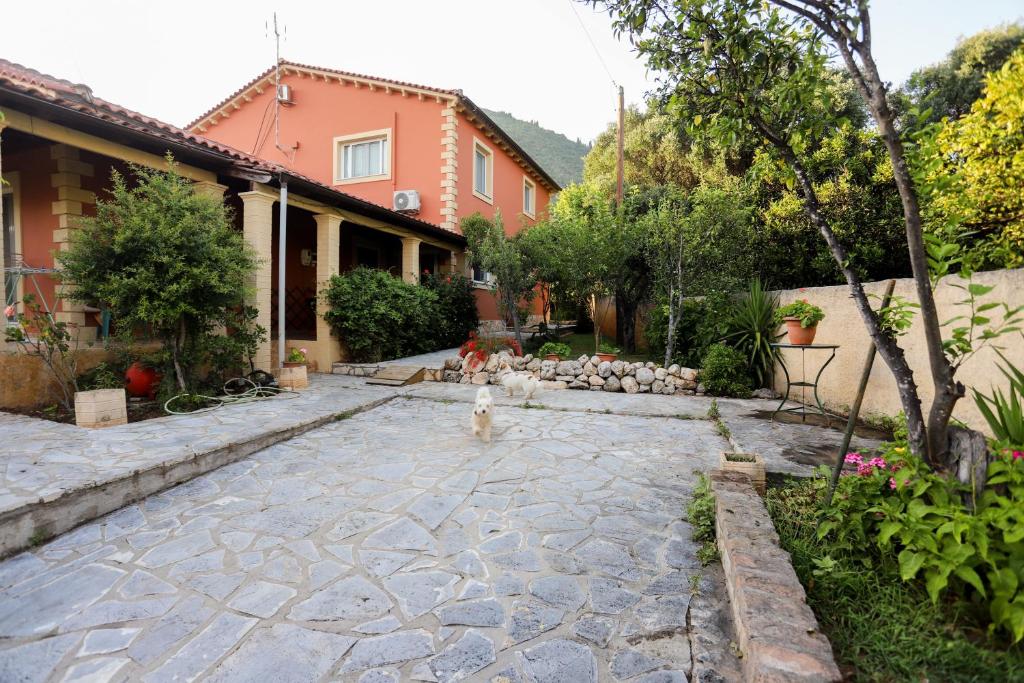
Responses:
[803,383]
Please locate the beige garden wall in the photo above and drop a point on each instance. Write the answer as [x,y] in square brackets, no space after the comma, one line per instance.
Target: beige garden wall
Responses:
[842,325]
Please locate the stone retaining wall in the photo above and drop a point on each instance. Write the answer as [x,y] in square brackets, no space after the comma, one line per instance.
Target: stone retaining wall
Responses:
[777,632]
[584,373]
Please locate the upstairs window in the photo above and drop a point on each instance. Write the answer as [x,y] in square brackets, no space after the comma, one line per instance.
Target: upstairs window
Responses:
[362,157]
[529,197]
[483,171]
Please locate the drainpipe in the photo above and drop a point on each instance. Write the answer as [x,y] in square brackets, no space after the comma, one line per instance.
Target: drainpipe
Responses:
[282,241]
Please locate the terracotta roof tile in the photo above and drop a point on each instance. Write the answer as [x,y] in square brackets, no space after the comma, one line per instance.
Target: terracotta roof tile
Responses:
[81,99]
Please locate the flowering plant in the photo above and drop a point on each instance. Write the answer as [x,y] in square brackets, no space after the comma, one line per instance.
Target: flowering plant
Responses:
[808,314]
[941,532]
[297,355]
[481,347]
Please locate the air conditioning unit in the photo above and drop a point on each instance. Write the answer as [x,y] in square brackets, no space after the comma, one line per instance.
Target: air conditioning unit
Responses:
[406,200]
[284,94]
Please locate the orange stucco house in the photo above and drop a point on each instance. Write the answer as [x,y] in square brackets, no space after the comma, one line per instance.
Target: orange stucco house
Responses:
[390,143]
[58,145]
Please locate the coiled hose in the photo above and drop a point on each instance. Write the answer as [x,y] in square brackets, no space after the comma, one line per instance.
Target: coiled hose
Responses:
[236,390]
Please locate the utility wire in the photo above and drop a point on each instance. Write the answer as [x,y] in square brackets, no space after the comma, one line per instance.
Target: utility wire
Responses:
[597,52]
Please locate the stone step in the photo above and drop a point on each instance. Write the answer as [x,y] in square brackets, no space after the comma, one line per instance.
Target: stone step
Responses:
[398,375]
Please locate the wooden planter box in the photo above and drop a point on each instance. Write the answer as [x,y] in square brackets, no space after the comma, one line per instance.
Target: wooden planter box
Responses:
[100,408]
[293,378]
[753,469]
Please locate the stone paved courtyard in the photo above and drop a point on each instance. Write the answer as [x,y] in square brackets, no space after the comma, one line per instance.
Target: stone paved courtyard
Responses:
[393,546]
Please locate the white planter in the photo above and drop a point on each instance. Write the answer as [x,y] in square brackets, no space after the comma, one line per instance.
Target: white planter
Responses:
[293,378]
[753,469]
[100,408]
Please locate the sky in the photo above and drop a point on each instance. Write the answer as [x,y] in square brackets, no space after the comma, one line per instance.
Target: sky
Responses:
[532,58]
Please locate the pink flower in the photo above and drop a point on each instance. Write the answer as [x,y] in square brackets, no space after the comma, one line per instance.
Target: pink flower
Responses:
[1017,455]
[892,483]
[864,469]
[877,462]
[304,352]
[853,458]
[9,311]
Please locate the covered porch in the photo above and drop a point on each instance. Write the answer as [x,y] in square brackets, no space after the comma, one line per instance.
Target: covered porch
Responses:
[322,241]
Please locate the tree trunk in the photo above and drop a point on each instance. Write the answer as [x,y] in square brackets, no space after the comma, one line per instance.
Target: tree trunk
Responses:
[968,456]
[592,305]
[888,349]
[179,343]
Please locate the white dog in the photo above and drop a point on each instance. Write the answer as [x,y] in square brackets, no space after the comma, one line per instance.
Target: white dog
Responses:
[483,414]
[525,383]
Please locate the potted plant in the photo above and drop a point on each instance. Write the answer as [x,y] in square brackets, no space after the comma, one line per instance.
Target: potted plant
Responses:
[801,320]
[293,371]
[749,464]
[554,351]
[295,358]
[607,352]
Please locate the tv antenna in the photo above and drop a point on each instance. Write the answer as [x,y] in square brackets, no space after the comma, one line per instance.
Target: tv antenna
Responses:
[279,96]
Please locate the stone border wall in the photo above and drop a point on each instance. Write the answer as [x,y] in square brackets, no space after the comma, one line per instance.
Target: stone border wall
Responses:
[584,373]
[777,632]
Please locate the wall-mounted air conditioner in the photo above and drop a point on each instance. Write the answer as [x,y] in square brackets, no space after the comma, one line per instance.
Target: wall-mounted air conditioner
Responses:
[406,200]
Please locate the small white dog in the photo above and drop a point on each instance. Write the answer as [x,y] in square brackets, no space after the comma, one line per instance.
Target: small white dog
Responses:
[525,383]
[483,414]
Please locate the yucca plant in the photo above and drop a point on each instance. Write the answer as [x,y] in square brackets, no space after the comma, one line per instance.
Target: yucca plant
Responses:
[751,328]
[1005,412]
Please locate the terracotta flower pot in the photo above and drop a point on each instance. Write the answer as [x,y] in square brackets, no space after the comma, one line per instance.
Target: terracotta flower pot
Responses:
[141,381]
[607,356]
[552,356]
[800,336]
[292,364]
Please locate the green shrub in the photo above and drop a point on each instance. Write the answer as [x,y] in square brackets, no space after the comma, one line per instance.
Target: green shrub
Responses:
[556,348]
[974,551]
[456,308]
[103,376]
[701,324]
[1005,412]
[881,627]
[380,317]
[724,372]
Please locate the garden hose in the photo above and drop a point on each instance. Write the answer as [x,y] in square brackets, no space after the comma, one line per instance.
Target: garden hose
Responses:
[236,390]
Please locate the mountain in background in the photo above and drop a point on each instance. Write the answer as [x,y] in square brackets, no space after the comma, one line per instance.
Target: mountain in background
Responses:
[561,157]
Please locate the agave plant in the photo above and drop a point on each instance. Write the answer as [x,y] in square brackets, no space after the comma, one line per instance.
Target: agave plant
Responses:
[751,328]
[1005,412]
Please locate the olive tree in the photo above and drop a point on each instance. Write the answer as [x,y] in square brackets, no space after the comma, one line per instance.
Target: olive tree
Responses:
[508,261]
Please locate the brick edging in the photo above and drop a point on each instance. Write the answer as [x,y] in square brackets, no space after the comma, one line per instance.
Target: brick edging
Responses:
[777,631]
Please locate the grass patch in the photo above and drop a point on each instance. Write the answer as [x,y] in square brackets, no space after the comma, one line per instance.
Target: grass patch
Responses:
[739,457]
[583,344]
[881,628]
[534,406]
[700,513]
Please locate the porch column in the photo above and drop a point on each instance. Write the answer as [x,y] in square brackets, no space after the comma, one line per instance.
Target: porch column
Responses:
[67,181]
[257,228]
[328,264]
[411,259]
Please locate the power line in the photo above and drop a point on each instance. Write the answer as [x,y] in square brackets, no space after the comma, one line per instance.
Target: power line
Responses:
[597,52]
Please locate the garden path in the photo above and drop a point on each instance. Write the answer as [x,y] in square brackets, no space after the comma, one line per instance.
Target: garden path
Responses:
[555,553]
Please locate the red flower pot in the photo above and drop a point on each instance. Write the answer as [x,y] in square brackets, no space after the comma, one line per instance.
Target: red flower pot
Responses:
[552,356]
[142,380]
[607,356]
[799,336]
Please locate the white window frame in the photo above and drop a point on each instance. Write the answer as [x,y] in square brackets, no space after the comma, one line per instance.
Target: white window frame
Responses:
[488,154]
[12,186]
[480,283]
[531,211]
[343,141]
